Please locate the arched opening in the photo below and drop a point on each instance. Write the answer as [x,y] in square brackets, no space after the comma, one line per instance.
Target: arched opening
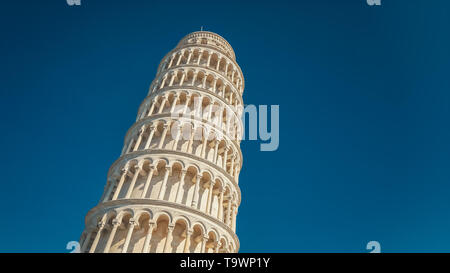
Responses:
[179,236]
[159,235]
[203,192]
[141,180]
[121,232]
[214,60]
[189,186]
[173,182]
[216,198]
[196,240]
[223,246]
[222,65]
[157,179]
[211,243]
[139,233]
[209,82]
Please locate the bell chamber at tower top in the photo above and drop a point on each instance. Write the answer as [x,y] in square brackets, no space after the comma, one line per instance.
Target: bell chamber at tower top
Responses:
[205,38]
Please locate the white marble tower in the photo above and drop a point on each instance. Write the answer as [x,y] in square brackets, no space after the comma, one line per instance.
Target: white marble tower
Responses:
[175,186]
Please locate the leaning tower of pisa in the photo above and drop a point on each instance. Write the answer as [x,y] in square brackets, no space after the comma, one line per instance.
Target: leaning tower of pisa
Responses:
[175,186]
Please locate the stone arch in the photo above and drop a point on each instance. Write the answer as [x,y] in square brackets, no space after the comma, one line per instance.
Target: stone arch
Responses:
[214,60]
[118,241]
[220,85]
[169,138]
[146,161]
[232,247]
[164,214]
[230,70]
[221,152]
[223,244]
[177,60]
[227,197]
[186,192]
[183,219]
[179,234]
[201,225]
[216,201]
[142,219]
[144,212]
[121,213]
[173,180]
[201,74]
[213,237]
[129,172]
[196,239]
[159,236]
[203,190]
[222,64]
[177,74]
[206,106]
[190,75]
[209,149]
[207,173]
[102,225]
[157,178]
[196,147]
[204,57]
[196,55]
[184,141]
[194,166]
[210,78]
[184,57]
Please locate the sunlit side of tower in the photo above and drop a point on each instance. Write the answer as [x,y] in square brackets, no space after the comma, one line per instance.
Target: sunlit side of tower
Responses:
[175,186]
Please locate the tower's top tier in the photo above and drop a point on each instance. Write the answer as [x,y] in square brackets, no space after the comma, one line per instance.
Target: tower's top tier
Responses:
[208,38]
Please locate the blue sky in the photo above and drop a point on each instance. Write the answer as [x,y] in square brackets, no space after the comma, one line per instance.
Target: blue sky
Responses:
[364,116]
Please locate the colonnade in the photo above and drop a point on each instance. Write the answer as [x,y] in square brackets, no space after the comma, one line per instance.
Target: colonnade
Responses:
[173,182]
[127,233]
[197,106]
[183,137]
[198,78]
[208,58]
